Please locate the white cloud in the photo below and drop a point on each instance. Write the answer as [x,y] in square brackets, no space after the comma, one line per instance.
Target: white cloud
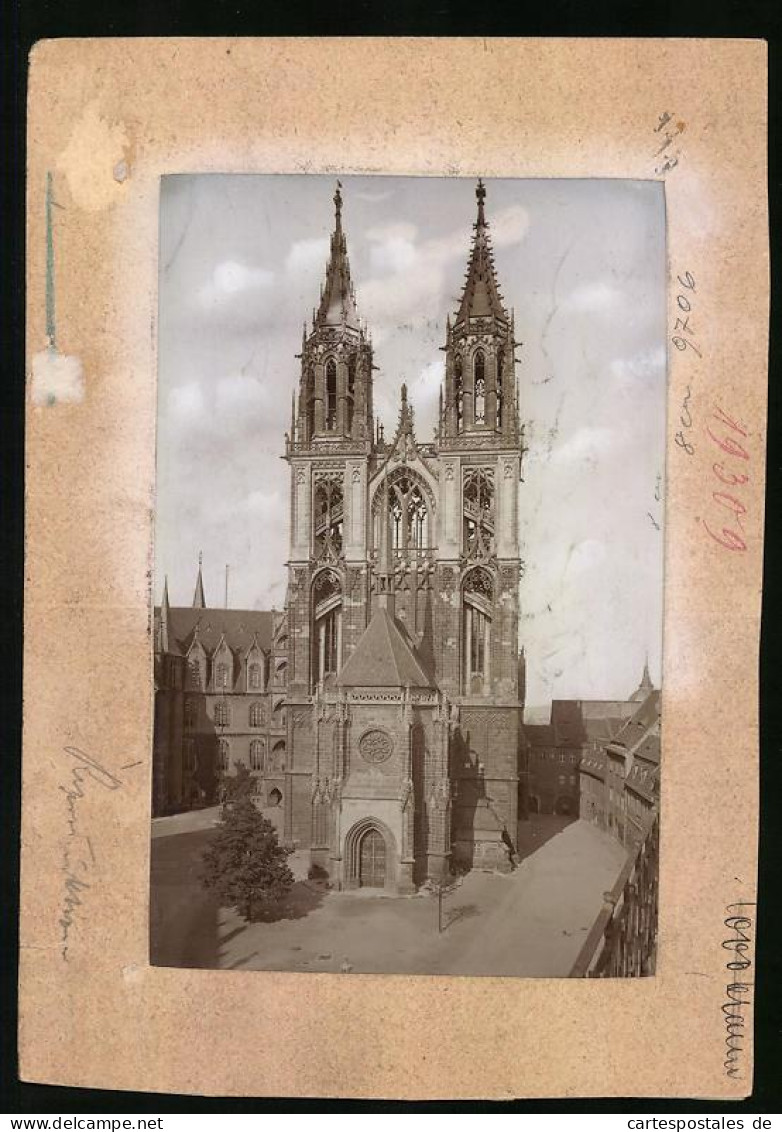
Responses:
[639,367]
[186,403]
[230,279]
[588,443]
[392,250]
[509,226]
[240,394]
[597,297]
[306,256]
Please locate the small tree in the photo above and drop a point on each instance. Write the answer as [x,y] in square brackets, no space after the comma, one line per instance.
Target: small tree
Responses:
[234,787]
[245,863]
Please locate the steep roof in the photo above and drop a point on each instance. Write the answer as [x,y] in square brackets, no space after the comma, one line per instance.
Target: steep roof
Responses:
[338,301]
[384,658]
[239,626]
[481,297]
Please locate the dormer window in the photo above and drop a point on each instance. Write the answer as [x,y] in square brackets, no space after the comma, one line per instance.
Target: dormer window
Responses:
[255,677]
[221,675]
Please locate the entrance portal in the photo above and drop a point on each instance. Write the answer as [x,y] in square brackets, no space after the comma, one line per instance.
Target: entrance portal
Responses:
[372,860]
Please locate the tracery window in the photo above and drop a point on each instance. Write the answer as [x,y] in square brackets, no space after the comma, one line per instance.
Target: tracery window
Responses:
[479,511]
[309,401]
[476,626]
[329,513]
[351,391]
[257,715]
[194,672]
[327,644]
[500,386]
[222,714]
[408,511]
[479,374]
[221,675]
[256,754]
[331,394]
[255,676]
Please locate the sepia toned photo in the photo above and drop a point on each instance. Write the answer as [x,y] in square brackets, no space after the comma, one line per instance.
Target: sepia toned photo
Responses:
[408,575]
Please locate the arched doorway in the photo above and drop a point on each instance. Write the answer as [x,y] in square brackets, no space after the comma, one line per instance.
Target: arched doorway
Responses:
[372,859]
[370,856]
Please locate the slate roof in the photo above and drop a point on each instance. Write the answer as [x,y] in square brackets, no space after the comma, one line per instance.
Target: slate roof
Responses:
[238,625]
[384,658]
[481,297]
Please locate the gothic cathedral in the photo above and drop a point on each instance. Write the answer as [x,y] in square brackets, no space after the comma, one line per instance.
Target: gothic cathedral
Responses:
[403,692]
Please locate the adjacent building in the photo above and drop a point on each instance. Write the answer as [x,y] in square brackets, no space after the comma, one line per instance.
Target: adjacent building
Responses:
[554,751]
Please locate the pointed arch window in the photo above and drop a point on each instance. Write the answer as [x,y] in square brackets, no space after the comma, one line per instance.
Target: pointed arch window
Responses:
[476,631]
[222,714]
[459,392]
[256,754]
[331,394]
[255,676]
[351,391]
[327,638]
[329,513]
[309,401]
[195,672]
[500,386]
[257,715]
[221,675]
[278,757]
[479,374]
[409,510]
[479,512]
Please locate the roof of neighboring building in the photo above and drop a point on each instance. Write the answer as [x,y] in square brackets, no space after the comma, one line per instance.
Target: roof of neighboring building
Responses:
[645,718]
[576,723]
[239,626]
[384,658]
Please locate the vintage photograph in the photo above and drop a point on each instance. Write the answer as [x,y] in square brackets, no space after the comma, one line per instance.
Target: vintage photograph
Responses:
[408,575]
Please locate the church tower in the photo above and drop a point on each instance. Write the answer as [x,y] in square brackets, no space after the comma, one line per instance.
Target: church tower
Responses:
[478,561]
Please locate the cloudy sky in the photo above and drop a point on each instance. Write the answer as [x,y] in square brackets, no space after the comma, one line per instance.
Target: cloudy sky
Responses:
[583,265]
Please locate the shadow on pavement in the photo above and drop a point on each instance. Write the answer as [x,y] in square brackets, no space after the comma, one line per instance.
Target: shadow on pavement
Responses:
[537,830]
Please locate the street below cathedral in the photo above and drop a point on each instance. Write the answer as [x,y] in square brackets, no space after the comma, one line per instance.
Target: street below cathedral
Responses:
[531,922]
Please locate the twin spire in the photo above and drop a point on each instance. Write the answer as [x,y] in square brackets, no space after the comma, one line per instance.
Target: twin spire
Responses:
[481,297]
[338,300]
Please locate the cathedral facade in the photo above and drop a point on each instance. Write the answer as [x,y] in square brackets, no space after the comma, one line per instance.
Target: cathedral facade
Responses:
[395,667]
[403,699]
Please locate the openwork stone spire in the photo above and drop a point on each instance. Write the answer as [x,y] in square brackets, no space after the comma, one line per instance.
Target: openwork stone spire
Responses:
[338,300]
[481,297]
